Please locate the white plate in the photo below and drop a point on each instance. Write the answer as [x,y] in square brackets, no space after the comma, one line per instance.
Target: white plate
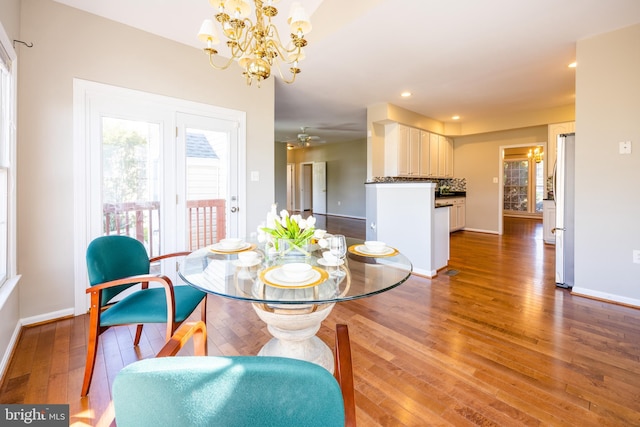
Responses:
[277,277]
[326,263]
[218,247]
[363,249]
[239,263]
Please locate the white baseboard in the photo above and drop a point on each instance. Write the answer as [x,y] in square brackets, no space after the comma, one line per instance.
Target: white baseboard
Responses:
[479,230]
[6,357]
[47,317]
[590,293]
[345,216]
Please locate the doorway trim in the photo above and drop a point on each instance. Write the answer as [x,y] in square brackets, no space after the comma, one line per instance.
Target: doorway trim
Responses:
[501,178]
[86,93]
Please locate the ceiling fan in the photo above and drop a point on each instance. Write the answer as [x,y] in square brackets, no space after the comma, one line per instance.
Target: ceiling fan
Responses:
[304,139]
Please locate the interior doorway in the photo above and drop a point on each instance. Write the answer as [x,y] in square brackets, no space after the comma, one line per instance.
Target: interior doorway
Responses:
[521,182]
[306,187]
[312,187]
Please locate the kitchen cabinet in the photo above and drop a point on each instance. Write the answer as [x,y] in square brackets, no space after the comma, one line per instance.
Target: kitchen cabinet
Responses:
[414,152]
[554,130]
[401,150]
[548,221]
[457,214]
[425,154]
[433,154]
[445,157]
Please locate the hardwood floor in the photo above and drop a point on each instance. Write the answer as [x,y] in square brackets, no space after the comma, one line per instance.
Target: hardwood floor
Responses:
[490,341]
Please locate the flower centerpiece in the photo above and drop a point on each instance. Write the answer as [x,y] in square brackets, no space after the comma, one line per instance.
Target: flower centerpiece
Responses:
[293,230]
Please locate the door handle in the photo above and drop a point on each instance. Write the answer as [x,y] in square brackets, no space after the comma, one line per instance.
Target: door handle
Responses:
[234,209]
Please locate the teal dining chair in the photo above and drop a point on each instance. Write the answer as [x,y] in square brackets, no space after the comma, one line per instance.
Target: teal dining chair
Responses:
[234,390]
[118,263]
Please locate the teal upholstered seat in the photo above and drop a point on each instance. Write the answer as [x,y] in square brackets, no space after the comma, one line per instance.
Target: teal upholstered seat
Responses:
[116,263]
[234,390]
[226,391]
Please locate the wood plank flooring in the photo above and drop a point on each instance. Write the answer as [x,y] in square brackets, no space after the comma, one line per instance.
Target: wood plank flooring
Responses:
[489,342]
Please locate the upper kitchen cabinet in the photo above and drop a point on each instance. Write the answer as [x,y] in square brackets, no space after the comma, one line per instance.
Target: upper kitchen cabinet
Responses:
[425,154]
[445,157]
[414,152]
[401,150]
[556,129]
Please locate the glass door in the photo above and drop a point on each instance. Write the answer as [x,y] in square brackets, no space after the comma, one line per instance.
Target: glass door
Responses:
[130,185]
[208,173]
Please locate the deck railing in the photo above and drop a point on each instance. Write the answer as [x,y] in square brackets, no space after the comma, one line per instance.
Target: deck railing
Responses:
[206,222]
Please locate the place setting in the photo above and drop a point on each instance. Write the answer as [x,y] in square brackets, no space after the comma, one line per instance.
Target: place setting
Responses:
[295,275]
[231,246]
[373,248]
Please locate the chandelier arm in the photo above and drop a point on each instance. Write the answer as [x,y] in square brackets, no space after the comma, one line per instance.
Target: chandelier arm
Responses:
[218,67]
[279,40]
[293,75]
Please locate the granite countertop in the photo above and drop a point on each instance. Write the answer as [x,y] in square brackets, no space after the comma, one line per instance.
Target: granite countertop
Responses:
[451,194]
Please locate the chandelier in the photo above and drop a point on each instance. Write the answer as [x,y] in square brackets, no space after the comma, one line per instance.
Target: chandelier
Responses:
[536,154]
[256,46]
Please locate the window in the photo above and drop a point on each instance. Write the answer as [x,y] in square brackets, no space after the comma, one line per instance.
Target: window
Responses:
[7,142]
[524,182]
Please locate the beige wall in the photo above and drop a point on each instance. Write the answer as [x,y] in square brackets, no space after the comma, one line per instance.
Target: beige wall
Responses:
[478,159]
[607,195]
[346,174]
[68,44]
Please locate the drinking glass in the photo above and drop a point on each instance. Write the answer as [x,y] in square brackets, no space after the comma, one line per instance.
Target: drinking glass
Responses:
[338,246]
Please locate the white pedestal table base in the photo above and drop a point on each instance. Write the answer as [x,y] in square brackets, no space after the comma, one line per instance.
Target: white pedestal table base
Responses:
[294,334]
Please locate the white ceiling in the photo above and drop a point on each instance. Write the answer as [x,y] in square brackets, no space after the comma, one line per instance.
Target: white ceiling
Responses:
[467,57]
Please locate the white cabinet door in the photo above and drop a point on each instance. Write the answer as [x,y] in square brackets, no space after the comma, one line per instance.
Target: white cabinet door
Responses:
[433,154]
[425,154]
[414,152]
[403,150]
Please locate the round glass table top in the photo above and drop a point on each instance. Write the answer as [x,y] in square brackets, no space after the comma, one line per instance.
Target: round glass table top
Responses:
[220,271]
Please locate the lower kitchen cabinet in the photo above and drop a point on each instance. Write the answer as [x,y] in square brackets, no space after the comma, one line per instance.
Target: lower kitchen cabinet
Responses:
[457,214]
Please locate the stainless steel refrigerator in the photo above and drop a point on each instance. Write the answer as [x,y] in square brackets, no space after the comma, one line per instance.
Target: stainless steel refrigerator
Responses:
[564,184]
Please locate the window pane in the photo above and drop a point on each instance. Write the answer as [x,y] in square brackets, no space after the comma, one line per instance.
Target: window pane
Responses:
[207,171]
[130,180]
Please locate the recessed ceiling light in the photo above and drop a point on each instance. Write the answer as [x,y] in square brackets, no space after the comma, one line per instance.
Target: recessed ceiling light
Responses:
[573,65]
[405,94]
[455,117]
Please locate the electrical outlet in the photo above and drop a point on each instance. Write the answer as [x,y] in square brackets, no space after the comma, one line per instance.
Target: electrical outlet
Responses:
[636,256]
[339,202]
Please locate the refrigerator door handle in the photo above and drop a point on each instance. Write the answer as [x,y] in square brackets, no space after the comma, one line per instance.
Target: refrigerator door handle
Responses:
[553,181]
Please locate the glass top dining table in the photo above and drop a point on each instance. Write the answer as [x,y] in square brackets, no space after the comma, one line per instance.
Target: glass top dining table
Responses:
[360,274]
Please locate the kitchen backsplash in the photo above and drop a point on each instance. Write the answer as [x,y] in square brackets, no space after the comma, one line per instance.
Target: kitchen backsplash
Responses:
[454,184]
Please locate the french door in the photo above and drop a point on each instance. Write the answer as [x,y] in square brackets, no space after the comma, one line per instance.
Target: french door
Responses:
[161,170]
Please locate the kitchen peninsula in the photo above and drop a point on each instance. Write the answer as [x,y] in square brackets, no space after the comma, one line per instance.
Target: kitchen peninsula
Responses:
[404,215]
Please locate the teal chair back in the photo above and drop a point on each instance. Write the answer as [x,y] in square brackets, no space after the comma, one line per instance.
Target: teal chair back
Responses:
[115,257]
[227,391]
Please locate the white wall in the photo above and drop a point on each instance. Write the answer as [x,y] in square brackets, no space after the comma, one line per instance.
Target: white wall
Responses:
[607,195]
[70,43]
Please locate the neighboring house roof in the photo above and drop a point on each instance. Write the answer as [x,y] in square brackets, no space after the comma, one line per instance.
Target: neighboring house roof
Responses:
[198,146]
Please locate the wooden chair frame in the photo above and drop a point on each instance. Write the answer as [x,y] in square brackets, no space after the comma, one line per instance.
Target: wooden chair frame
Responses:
[95,309]
[342,355]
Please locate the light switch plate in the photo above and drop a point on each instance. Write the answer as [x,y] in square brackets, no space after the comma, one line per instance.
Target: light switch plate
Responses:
[255,176]
[625,147]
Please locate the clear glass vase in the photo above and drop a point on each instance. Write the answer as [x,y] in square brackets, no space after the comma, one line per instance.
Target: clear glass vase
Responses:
[290,248]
